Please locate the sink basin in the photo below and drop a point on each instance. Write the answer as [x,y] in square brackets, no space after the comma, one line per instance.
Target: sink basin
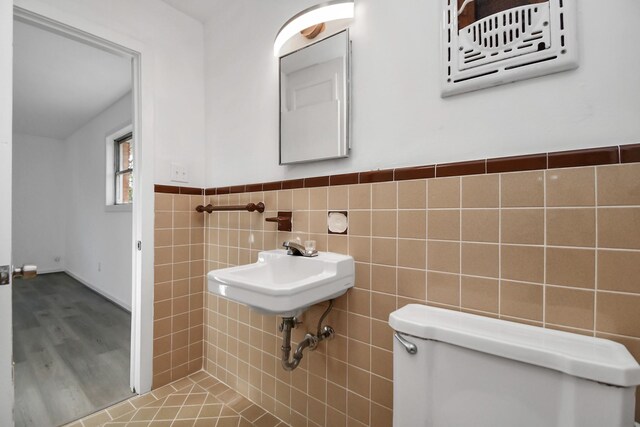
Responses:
[284,285]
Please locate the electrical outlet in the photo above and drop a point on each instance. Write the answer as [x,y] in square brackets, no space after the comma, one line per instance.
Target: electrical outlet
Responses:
[179,173]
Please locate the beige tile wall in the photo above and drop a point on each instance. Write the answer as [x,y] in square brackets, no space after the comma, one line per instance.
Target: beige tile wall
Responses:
[557,249]
[178,287]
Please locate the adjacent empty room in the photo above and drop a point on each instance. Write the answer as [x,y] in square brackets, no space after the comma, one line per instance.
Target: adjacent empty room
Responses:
[72,218]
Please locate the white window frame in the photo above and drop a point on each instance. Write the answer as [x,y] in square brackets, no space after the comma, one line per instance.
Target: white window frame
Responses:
[110,187]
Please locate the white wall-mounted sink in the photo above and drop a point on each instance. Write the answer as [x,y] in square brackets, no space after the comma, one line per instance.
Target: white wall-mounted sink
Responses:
[285,285]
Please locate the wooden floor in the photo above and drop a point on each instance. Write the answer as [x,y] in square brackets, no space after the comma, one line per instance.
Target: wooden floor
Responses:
[71,349]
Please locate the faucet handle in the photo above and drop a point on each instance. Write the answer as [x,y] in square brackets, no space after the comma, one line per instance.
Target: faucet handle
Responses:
[310,248]
[283,219]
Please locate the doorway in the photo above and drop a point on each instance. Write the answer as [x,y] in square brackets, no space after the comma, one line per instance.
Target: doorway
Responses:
[73,216]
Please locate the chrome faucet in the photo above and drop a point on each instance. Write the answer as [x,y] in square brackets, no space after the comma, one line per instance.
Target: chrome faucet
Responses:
[294,248]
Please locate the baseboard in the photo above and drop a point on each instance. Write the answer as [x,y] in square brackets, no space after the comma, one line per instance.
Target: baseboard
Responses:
[116,301]
[52,270]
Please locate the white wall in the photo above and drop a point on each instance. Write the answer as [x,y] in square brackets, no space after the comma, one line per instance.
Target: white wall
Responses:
[175,43]
[399,118]
[39,202]
[98,240]
[59,206]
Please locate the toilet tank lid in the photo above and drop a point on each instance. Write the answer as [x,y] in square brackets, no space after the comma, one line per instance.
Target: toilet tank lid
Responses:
[578,355]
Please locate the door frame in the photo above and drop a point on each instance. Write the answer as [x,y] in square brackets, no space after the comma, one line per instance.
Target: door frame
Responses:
[6,96]
[71,26]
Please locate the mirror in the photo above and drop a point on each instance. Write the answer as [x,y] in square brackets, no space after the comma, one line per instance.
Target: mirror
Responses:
[314,101]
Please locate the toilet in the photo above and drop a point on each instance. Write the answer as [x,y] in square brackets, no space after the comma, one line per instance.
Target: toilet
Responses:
[460,370]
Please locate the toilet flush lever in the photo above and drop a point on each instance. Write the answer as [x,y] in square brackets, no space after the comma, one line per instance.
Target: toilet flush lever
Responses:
[409,346]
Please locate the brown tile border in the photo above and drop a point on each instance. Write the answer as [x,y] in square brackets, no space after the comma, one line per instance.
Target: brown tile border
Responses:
[270,186]
[167,189]
[318,181]
[192,190]
[292,183]
[588,157]
[418,172]
[376,176]
[237,189]
[475,167]
[517,163]
[252,188]
[629,153]
[344,179]
[174,189]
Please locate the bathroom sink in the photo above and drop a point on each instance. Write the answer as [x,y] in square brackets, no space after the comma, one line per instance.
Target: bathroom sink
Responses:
[284,285]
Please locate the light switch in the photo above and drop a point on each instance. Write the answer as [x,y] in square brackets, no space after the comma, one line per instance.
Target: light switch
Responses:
[179,173]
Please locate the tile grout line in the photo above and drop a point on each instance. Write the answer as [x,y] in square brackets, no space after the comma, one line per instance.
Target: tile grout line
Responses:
[173,216]
[426,244]
[499,246]
[370,187]
[460,242]
[597,250]
[190,294]
[544,251]
[326,361]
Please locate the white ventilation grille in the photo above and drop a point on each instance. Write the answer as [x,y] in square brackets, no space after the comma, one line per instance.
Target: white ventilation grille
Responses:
[513,44]
[504,35]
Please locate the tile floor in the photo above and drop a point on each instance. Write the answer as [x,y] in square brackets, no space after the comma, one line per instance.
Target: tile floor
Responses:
[198,400]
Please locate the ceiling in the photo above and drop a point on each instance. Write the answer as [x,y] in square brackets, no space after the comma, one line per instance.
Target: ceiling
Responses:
[201,10]
[60,84]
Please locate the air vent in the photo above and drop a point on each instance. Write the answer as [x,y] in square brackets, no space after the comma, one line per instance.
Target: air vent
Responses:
[488,43]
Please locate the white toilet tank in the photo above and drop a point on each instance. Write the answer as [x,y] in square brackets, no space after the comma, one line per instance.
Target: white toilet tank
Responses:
[476,371]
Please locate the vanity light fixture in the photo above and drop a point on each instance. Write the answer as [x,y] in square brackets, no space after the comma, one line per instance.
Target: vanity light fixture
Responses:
[314,16]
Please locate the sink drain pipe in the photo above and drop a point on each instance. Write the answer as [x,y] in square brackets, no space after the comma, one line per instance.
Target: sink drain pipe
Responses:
[310,341]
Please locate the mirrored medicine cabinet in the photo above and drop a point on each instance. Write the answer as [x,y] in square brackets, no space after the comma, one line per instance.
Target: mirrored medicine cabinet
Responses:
[315,101]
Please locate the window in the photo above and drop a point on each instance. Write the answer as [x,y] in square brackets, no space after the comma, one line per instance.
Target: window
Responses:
[123,171]
[120,155]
